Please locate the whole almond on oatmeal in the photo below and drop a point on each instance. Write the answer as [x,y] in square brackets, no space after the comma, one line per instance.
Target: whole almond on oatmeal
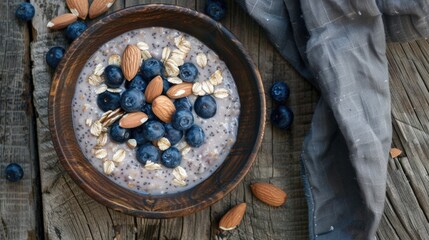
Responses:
[62,21]
[163,108]
[233,217]
[154,89]
[78,7]
[180,90]
[269,194]
[132,120]
[131,59]
[99,7]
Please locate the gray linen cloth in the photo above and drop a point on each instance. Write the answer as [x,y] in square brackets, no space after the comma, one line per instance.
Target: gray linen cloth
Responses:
[339,46]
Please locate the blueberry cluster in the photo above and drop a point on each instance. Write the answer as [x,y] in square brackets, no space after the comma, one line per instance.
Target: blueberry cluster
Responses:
[55,54]
[281,116]
[133,99]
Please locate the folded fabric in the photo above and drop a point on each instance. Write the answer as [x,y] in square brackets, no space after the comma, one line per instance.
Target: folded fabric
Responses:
[339,46]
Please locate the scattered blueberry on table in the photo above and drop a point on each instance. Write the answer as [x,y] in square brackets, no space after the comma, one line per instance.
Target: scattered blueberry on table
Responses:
[25,11]
[75,29]
[279,91]
[54,56]
[14,172]
[171,157]
[216,9]
[282,117]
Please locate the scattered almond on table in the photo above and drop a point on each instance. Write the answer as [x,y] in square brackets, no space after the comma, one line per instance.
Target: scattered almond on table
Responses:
[395,152]
[233,217]
[269,194]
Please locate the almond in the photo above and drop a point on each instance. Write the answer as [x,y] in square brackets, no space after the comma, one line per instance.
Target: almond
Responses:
[131,59]
[269,194]
[78,7]
[394,152]
[233,217]
[154,89]
[99,7]
[180,90]
[132,120]
[163,108]
[62,21]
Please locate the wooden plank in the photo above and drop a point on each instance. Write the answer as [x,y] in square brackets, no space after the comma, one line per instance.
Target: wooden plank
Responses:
[68,212]
[71,214]
[406,210]
[20,201]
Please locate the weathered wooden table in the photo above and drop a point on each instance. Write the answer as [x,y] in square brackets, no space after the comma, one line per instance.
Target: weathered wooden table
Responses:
[47,204]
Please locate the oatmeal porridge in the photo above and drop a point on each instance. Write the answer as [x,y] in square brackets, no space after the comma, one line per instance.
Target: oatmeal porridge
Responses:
[163,127]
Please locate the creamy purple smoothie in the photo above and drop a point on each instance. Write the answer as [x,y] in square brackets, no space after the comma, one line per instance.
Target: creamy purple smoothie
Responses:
[198,163]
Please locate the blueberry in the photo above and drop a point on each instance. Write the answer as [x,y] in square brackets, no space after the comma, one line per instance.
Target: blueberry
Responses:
[54,56]
[205,106]
[183,103]
[195,136]
[119,134]
[147,108]
[188,72]
[165,85]
[114,76]
[182,119]
[153,130]
[171,157]
[25,11]
[137,82]
[279,91]
[172,134]
[147,152]
[14,172]
[137,134]
[151,68]
[216,9]
[132,100]
[108,101]
[75,29]
[282,117]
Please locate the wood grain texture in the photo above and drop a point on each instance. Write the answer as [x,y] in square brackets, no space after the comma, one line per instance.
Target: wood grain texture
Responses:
[70,214]
[406,214]
[18,201]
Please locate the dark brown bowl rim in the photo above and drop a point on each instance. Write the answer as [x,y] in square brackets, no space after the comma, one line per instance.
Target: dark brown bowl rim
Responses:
[147,208]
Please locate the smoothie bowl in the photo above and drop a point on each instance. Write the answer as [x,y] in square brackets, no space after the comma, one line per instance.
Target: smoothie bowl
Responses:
[157,111]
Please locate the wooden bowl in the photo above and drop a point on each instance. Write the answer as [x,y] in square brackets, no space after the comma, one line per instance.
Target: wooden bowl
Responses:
[251,122]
